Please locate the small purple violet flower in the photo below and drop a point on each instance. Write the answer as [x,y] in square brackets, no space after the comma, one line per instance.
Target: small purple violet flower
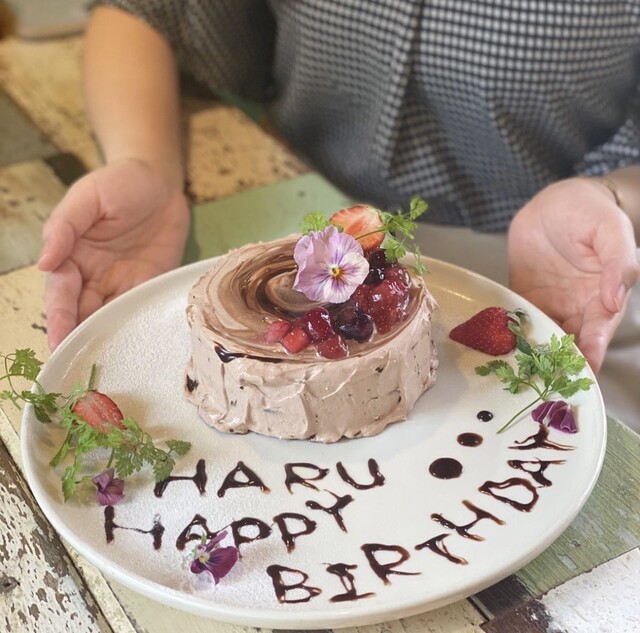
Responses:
[216,560]
[331,265]
[110,490]
[557,414]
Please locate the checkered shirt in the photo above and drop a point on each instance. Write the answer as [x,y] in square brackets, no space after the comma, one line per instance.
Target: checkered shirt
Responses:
[473,105]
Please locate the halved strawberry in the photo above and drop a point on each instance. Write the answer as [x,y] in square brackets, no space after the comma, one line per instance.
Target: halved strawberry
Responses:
[358,221]
[488,332]
[99,411]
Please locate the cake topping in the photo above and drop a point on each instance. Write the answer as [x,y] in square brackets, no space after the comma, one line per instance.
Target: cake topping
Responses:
[363,223]
[331,265]
[373,228]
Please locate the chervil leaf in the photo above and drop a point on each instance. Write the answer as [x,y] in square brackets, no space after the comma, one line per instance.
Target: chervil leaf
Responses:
[24,363]
[314,221]
[44,405]
[69,482]
[162,468]
[179,447]
[417,207]
[394,249]
[573,386]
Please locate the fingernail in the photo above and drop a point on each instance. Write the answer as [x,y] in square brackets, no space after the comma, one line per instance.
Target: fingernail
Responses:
[620,297]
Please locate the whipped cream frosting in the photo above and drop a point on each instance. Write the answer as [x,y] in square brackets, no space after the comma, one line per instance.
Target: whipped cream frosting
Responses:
[240,383]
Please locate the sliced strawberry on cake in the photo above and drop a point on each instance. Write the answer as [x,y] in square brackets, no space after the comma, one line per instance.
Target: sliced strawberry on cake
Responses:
[363,223]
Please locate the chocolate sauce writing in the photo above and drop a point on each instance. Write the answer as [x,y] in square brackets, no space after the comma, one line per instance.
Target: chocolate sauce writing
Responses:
[385,560]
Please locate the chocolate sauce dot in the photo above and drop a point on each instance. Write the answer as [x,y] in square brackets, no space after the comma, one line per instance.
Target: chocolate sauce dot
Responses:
[469,439]
[485,416]
[446,468]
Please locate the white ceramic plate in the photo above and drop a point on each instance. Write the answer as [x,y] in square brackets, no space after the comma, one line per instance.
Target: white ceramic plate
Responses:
[140,342]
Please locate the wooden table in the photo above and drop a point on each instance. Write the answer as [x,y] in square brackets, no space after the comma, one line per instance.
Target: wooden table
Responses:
[586,581]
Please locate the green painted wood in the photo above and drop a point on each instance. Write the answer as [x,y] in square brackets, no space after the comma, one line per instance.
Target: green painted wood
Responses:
[20,140]
[261,214]
[607,526]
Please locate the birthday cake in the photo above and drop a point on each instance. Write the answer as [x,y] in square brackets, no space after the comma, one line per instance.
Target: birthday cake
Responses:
[275,354]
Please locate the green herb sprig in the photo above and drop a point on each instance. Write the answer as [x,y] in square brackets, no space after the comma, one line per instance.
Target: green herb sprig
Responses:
[547,368]
[131,448]
[398,228]
[24,364]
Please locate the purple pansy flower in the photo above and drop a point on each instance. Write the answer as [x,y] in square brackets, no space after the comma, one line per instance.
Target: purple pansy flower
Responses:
[216,560]
[110,490]
[331,265]
[556,414]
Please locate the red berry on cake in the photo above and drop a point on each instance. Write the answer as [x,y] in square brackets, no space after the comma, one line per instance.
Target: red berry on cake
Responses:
[385,302]
[333,347]
[99,411]
[317,322]
[362,222]
[276,331]
[295,340]
[488,332]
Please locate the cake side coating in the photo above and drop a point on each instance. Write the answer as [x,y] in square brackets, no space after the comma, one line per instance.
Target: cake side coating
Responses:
[239,383]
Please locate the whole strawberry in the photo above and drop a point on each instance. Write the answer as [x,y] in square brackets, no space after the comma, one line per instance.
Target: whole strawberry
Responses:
[488,331]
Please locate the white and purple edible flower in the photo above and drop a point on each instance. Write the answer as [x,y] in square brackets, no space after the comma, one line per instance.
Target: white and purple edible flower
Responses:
[212,558]
[557,414]
[110,489]
[331,265]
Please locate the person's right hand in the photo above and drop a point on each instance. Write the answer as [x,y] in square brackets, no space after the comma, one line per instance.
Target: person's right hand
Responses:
[116,227]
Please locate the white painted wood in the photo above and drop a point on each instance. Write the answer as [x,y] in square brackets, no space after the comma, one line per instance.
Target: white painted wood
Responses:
[39,587]
[606,600]
[28,192]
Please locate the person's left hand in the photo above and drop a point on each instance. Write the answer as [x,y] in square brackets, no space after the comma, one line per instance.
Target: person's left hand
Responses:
[572,253]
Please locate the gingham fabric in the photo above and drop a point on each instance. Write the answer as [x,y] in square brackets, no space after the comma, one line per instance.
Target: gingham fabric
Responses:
[473,105]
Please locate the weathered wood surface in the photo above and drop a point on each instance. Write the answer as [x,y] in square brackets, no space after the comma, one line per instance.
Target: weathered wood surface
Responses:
[28,192]
[40,589]
[21,140]
[602,601]
[227,151]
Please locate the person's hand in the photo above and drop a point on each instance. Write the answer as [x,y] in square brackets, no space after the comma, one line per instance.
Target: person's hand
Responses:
[116,227]
[572,253]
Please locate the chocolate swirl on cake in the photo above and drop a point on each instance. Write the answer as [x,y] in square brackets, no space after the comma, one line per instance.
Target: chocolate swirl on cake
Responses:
[253,286]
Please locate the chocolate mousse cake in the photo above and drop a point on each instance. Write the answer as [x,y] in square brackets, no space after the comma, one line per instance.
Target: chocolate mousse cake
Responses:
[268,359]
